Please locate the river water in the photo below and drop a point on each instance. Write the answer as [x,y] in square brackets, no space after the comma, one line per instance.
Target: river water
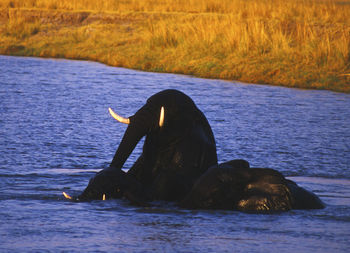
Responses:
[55,133]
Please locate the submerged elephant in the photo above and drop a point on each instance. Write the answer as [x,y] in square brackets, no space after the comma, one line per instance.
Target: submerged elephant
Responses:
[179,163]
[235,186]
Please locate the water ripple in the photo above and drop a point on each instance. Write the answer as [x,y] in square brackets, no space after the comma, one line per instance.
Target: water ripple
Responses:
[55,133]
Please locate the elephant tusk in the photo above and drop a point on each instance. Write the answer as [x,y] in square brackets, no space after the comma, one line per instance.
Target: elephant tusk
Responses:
[66,195]
[119,118]
[161,118]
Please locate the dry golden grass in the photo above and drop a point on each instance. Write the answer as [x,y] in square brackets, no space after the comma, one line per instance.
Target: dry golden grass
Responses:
[296,43]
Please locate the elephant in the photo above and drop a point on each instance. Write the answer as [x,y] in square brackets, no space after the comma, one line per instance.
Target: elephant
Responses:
[179,163]
[179,147]
[235,186]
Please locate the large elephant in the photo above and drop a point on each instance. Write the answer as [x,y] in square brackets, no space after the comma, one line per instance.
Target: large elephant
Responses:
[179,163]
[179,147]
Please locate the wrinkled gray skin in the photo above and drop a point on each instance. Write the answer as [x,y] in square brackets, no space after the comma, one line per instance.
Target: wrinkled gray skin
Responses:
[174,166]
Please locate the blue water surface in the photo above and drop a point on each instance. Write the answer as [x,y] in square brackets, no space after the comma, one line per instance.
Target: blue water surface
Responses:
[55,133]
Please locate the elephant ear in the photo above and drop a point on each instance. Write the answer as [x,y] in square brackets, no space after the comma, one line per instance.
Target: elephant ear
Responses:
[161,117]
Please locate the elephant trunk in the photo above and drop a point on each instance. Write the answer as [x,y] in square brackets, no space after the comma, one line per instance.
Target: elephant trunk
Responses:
[138,127]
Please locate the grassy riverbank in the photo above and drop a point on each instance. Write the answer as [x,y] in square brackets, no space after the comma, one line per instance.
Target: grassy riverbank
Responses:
[295,43]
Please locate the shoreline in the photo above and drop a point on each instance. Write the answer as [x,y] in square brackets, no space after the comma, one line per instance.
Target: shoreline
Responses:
[171,73]
[173,42]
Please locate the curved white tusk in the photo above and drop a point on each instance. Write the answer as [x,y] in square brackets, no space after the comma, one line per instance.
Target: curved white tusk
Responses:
[66,195]
[119,118]
[161,118]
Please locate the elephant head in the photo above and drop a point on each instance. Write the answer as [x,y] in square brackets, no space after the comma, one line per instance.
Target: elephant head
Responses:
[178,148]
